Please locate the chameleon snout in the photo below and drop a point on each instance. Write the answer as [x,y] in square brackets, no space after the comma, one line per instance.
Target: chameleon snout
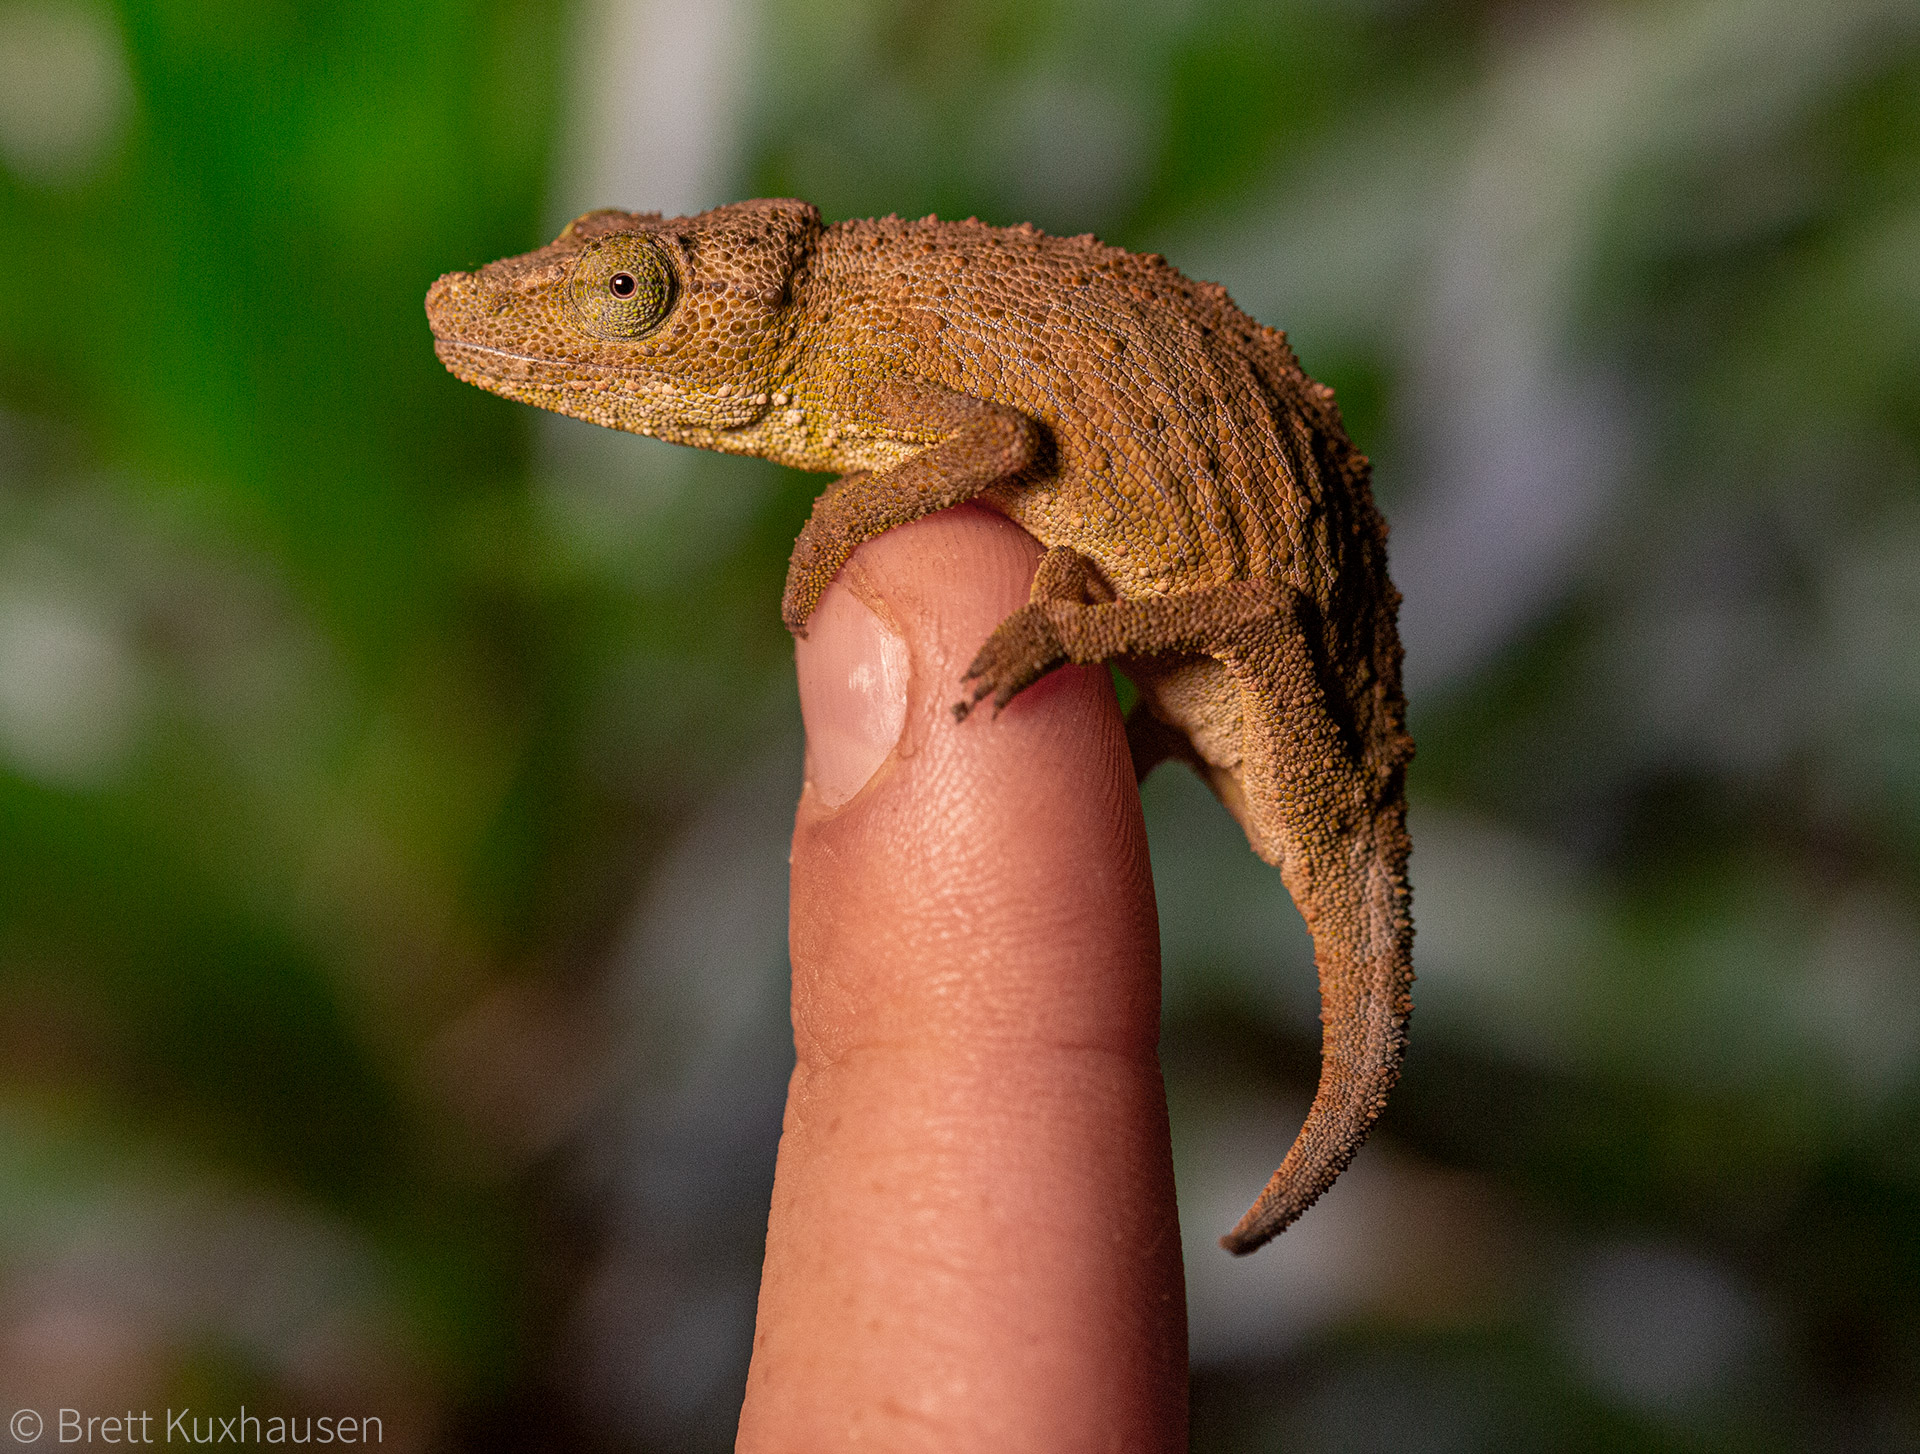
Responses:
[450,301]
[484,307]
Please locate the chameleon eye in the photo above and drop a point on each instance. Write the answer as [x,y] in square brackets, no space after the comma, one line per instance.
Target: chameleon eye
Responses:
[621,287]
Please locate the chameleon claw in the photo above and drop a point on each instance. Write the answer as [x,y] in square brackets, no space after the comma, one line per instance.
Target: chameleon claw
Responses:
[969,682]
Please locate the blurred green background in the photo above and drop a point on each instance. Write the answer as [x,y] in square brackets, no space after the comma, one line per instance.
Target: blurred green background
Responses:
[394,786]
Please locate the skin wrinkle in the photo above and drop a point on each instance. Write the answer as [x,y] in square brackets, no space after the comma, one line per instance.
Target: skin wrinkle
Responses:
[973,956]
[938,1169]
[978,1043]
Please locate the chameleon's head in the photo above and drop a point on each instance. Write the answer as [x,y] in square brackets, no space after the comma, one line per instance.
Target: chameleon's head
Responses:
[675,327]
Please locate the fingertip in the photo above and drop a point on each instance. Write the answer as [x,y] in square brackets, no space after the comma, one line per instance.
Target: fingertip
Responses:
[1004,847]
[887,650]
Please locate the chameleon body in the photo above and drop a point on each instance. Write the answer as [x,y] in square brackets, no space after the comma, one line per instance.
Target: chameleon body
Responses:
[1208,526]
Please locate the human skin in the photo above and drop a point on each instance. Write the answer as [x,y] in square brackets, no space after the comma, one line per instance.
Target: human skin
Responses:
[973,1242]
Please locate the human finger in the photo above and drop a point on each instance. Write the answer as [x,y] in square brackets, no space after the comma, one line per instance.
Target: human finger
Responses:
[973,1242]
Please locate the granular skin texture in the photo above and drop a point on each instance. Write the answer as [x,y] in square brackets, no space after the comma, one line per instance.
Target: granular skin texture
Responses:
[1208,526]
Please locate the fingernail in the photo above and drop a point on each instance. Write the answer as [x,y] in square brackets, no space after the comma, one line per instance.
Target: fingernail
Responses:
[853,693]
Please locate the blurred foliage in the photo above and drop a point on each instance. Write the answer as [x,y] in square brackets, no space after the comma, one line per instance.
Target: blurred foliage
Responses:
[391,784]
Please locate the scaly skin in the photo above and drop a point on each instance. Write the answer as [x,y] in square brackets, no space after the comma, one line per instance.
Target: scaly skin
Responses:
[1208,526]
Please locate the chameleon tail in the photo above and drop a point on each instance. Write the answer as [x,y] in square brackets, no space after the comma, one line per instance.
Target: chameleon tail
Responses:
[1357,904]
[1331,817]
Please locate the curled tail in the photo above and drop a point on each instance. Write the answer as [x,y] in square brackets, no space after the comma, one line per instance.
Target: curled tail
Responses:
[1355,899]
[1311,760]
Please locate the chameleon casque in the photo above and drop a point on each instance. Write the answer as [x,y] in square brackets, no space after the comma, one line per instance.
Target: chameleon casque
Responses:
[1208,527]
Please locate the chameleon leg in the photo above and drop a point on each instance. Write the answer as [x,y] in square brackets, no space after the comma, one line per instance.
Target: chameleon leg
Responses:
[1072,616]
[982,445]
[1335,829]
[1027,647]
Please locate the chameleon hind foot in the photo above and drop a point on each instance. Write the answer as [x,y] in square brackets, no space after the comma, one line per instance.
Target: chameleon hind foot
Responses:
[1022,649]
[1028,644]
[1074,616]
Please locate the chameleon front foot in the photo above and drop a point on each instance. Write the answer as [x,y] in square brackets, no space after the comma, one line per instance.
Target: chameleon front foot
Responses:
[823,546]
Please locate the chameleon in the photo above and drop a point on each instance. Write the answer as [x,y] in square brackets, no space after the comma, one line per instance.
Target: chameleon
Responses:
[1208,528]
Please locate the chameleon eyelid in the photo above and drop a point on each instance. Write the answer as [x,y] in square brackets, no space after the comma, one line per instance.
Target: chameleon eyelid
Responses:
[651,285]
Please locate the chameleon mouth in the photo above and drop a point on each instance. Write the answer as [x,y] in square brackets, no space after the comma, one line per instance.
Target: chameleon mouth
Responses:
[441,344]
[550,383]
[544,382]
[500,362]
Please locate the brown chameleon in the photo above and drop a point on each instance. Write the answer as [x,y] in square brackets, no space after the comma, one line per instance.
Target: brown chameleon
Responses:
[1208,526]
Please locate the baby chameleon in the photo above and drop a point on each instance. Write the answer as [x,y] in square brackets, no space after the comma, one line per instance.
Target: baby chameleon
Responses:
[1208,526]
